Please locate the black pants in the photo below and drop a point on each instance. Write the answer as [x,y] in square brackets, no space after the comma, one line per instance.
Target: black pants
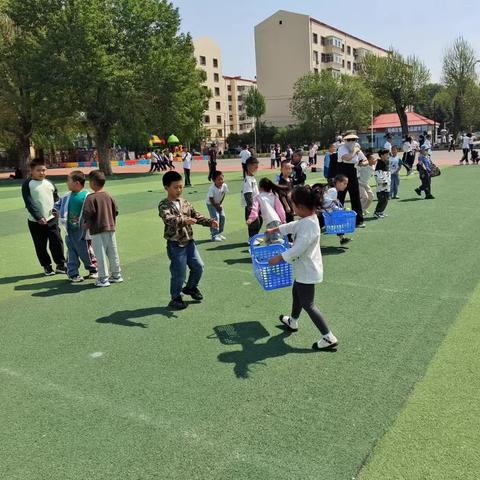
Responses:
[255,226]
[304,298]
[426,183]
[244,169]
[212,168]
[153,167]
[43,234]
[382,201]
[278,160]
[186,174]
[451,146]
[350,171]
[408,160]
[465,155]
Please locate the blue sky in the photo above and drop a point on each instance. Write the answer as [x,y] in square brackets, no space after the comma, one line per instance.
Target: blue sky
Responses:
[424,28]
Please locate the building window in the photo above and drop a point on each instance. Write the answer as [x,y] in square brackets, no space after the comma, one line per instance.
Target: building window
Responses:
[315,38]
[229,98]
[230,117]
[206,119]
[349,65]
[343,63]
[215,63]
[203,60]
[241,126]
[354,67]
[230,107]
[315,70]
[335,42]
[216,77]
[220,132]
[280,22]
[219,119]
[229,88]
[240,98]
[315,56]
[217,91]
[349,50]
[217,106]
[322,40]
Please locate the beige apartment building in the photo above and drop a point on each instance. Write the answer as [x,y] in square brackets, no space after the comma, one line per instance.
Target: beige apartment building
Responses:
[216,115]
[289,45]
[237,91]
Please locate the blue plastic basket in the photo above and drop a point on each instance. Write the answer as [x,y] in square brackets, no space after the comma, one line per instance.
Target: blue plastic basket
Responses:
[270,277]
[339,221]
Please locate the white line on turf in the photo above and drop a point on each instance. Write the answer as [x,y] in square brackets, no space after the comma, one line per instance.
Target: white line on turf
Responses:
[96,354]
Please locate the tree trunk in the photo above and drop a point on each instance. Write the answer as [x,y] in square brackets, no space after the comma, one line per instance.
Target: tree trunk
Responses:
[102,139]
[402,115]
[24,154]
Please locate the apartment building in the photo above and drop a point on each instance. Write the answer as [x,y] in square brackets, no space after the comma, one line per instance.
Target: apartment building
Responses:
[237,90]
[289,45]
[216,115]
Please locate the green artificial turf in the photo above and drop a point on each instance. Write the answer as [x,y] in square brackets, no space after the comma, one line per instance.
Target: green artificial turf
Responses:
[109,384]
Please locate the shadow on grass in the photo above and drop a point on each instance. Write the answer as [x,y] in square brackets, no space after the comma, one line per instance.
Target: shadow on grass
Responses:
[124,317]
[227,246]
[246,334]
[235,261]
[19,278]
[331,250]
[414,199]
[52,288]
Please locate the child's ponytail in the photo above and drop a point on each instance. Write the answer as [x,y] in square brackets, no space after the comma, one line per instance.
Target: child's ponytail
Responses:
[309,197]
[268,186]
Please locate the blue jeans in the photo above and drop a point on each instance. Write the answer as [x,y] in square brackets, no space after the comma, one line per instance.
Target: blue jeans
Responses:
[219,217]
[394,184]
[77,249]
[180,258]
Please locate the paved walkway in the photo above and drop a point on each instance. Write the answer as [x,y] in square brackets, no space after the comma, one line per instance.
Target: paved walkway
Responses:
[230,165]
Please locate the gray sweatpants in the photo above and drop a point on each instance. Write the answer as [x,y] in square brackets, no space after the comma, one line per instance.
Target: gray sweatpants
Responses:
[304,298]
[105,248]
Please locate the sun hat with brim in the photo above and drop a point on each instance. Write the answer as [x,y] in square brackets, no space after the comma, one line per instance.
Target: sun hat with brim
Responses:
[350,136]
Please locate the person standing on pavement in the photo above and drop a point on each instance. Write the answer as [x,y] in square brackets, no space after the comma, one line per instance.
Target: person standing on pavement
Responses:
[212,161]
[244,156]
[299,172]
[349,155]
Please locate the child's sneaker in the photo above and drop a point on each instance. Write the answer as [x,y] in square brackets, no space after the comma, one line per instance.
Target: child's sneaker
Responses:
[222,237]
[76,279]
[61,269]
[93,275]
[345,240]
[48,271]
[118,279]
[289,322]
[327,342]
[177,304]
[217,238]
[418,192]
[102,283]
[257,242]
[430,197]
[377,215]
[194,293]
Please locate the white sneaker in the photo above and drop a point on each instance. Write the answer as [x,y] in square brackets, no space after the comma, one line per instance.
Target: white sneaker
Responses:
[118,279]
[102,283]
[256,243]
[76,279]
[222,237]
[289,322]
[326,342]
[216,238]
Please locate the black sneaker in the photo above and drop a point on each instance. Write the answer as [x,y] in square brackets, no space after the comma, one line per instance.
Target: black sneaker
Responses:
[418,192]
[48,271]
[177,304]
[61,269]
[430,197]
[194,293]
[345,240]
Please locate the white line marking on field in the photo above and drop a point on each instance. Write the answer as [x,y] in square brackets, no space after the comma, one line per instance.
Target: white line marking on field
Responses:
[96,354]
[246,283]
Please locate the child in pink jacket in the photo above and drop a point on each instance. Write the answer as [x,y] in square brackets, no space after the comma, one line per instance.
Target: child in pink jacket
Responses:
[267,204]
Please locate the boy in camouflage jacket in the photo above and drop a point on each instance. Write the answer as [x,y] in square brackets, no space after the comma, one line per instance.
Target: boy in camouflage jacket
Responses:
[179,216]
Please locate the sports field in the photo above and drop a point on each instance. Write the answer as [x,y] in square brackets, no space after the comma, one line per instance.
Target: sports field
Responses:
[110,384]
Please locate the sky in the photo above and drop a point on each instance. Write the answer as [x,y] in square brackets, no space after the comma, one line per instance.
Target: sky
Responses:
[423,28]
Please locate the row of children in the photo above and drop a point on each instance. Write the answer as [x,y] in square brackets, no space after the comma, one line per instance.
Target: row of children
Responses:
[89,221]
[161,160]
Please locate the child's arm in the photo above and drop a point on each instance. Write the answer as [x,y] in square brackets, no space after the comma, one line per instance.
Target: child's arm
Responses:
[29,204]
[201,219]
[88,213]
[254,211]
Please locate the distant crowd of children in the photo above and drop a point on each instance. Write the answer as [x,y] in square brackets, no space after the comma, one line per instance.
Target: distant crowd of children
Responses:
[89,220]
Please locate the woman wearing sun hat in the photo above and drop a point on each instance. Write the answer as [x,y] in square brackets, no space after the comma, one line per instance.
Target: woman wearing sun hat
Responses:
[349,154]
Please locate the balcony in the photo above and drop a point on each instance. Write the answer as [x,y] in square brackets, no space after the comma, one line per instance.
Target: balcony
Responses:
[333,44]
[360,53]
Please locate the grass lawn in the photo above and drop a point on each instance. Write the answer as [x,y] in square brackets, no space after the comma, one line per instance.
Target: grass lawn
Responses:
[110,384]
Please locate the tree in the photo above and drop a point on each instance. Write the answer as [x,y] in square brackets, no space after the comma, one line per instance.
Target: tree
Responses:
[255,103]
[327,105]
[459,78]
[395,78]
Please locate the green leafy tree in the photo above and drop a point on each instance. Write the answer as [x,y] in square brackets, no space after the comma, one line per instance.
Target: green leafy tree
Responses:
[459,79]
[395,78]
[327,105]
[255,107]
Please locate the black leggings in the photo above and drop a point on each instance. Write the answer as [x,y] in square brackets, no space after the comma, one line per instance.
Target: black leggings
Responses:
[304,298]
[382,202]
